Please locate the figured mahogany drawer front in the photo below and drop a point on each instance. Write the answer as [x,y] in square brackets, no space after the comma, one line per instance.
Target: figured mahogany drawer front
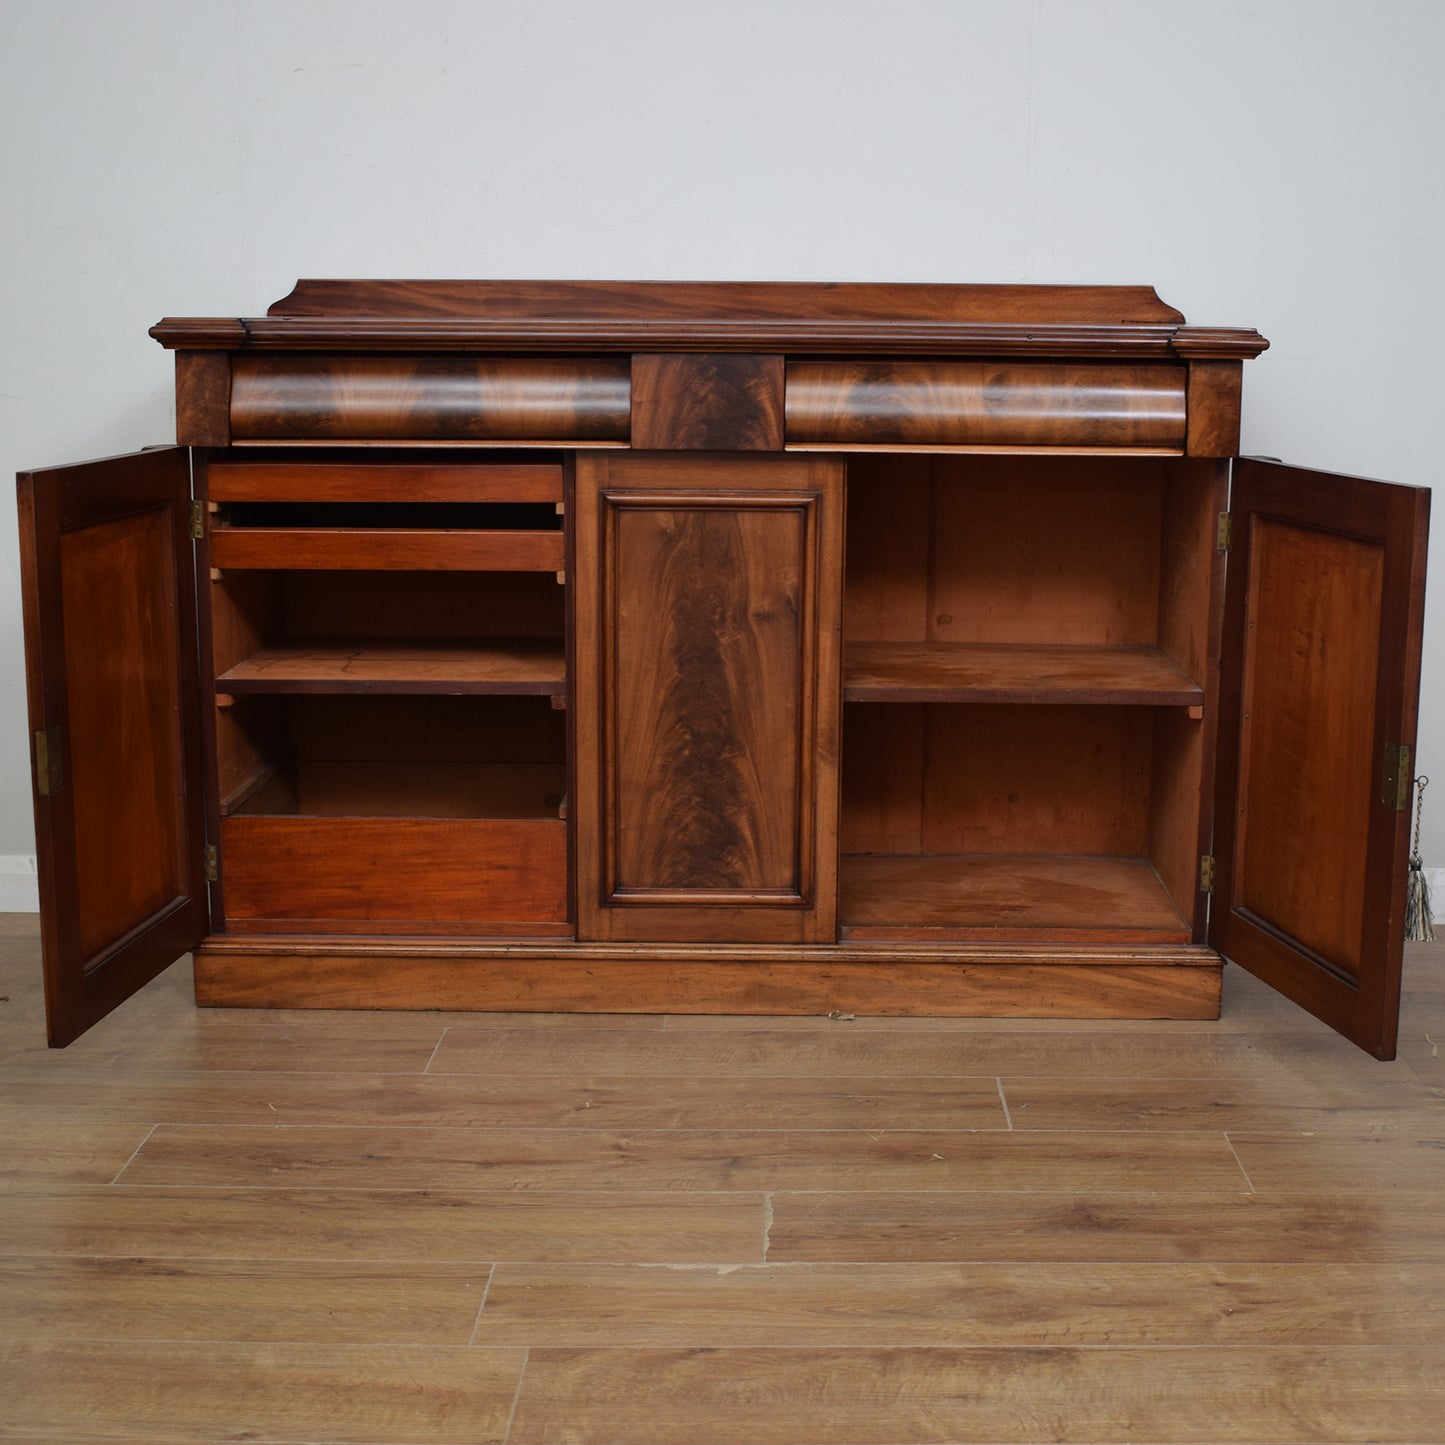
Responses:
[986,404]
[392,481]
[430,398]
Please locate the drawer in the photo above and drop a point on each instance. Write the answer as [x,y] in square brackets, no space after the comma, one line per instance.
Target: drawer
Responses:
[430,398]
[388,875]
[986,405]
[386,550]
[411,480]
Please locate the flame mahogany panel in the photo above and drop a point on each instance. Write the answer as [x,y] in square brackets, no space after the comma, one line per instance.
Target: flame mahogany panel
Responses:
[986,404]
[430,398]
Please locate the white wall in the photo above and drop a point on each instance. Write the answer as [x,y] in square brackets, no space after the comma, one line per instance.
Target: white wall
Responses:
[1274,164]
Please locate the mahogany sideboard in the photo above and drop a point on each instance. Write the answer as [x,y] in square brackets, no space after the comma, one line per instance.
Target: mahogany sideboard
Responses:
[720,647]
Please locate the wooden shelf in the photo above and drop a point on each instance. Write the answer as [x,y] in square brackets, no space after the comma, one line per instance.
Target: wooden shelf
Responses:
[515,666]
[1002,897]
[1009,673]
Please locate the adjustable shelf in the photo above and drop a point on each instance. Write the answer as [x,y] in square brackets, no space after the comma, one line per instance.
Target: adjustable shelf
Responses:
[524,666]
[1015,673]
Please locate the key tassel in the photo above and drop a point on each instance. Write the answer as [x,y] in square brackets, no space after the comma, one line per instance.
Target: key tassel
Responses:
[1419,925]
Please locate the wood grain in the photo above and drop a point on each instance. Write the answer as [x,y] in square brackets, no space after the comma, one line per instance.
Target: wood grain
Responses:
[1006,896]
[700,403]
[452,666]
[842,1396]
[377,548]
[1299,1226]
[1034,1305]
[240,478]
[430,872]
[1005,979]
[1017,673]
[295,1301]
[376,398]
[972,403]
[173,1393]
[203,398]
[327,1157]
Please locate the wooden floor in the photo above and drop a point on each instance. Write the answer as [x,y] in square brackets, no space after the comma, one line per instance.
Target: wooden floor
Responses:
[392,1228]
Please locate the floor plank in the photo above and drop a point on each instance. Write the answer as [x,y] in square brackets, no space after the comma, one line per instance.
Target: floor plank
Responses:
[382,1224]
[328,1157]
[1284,1228]
[963,1304]
[57,1147]
[505,1101]
[174,1392]
[297,1301]
[852,1397]
[1406,1156]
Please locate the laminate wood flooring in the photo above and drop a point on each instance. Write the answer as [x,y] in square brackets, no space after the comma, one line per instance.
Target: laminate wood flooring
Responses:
[410,1229]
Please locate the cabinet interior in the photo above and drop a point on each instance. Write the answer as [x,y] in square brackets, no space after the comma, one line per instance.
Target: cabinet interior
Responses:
[1026,656]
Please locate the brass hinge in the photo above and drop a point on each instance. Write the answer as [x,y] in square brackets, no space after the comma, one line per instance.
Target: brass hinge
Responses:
[48,775]
[198,521]
[1224,533]
[1395,777]
[213,864]
[1206,873]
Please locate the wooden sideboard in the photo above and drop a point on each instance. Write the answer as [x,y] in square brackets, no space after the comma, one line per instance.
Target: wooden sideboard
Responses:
[720,647]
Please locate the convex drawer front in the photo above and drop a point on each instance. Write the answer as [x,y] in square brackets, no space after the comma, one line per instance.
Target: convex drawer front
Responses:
[430,398]
[986,404]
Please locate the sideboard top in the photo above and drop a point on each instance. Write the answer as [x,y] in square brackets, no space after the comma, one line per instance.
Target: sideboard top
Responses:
[807,317]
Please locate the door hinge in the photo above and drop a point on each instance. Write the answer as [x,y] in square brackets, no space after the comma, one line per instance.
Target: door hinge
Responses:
[1224,533]
[1395,777]
[49,777]
[213,864]
[198,521]
[1206,873]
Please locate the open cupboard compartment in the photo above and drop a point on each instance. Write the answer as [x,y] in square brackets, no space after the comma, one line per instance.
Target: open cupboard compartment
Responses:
[1028,646]
[390,742]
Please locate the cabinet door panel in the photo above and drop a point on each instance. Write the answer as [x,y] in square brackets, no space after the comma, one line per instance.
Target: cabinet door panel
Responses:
[707,690]
[1320,676]
[110,633]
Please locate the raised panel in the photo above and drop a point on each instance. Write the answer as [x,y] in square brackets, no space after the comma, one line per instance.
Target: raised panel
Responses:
[707,698]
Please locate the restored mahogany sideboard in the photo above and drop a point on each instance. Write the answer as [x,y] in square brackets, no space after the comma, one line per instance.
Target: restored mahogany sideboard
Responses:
[720,647]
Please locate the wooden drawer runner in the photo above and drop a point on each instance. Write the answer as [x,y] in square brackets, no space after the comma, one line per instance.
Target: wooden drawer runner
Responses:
[986,404]
[385,550]
[430,398]
[383,875]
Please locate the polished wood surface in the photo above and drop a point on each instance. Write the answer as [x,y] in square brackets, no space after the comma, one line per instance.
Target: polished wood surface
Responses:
[407,479]
[428,876]
[412,1227]
[705,692]
[1007,897]
[1323,622]
[371,398]
[1021,673]
[203,398]
[491,665]
[698,403]
[1213,408]
[983,404]
[109,607]
[376,548]
[904,979]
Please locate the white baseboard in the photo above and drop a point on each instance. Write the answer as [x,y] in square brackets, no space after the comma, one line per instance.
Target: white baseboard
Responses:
[19,890]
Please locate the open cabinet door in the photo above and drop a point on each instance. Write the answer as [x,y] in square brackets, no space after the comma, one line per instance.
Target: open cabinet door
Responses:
[110,643]
[1319,684]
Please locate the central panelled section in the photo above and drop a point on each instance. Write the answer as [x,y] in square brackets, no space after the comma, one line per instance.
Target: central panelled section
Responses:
[707,632]
[707,608]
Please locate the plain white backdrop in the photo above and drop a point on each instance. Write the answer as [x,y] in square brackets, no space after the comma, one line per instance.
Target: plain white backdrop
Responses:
[1276,164]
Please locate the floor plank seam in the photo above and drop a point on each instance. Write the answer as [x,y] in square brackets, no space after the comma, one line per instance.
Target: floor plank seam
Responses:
[134,1153]
[486,1290]
[517,1397]
[431,1057]
[1250,1182]
[767,1225]
[1003,1099]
